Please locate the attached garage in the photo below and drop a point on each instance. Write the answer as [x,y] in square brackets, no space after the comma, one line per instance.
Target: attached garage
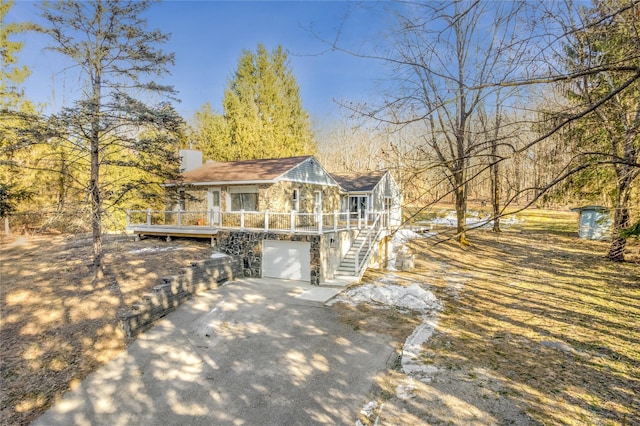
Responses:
[288,260]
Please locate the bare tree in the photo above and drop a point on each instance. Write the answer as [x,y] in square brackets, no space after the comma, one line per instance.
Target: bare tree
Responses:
[447,59]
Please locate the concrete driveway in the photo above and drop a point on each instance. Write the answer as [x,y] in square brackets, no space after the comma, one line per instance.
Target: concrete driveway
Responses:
[253,352]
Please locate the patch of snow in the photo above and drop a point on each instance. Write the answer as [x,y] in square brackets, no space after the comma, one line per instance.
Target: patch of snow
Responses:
[411,364]
[153,250]
[413,297]
[406,390]
[562,346]
[367,410]
[404,235]
[473,220]
[398,247]
[218,255]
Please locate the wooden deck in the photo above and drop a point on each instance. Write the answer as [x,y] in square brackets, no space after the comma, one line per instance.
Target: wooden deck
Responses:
[174,231]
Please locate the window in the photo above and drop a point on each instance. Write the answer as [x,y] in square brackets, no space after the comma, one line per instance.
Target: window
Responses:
[387,204]
[296,200]
[243,198]
[181,205]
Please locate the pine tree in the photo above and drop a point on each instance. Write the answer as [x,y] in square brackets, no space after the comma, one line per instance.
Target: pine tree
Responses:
[11,74]
[609,137]
[13,107]
[263,109]
[210,134]
[110,128]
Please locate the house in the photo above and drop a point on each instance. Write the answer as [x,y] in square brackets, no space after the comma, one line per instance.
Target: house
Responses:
[284,217]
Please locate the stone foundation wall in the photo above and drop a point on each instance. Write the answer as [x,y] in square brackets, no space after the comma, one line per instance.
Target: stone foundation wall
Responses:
[173,291]
[248,247]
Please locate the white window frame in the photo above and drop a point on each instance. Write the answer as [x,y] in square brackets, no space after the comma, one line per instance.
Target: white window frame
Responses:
[242,190]
[296,199]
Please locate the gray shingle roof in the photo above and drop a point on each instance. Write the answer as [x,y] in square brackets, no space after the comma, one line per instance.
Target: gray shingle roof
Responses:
[358,182]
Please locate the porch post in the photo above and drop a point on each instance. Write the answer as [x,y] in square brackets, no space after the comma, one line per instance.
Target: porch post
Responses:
[335,220]
[148,217]
[293,220]
[266,220]
[320,223]
[179,217]
[242,219]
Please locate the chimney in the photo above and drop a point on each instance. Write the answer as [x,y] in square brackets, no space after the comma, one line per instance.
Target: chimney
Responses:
[190,159]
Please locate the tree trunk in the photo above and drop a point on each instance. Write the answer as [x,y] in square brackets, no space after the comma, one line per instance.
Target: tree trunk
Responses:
[495,191]
[461,207]
[94,179]
[621,215]
[96,209]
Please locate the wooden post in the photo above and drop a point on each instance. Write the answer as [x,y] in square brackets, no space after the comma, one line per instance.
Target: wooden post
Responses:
[386,252]
[266,220]
[293,221]
[148,217]
[179,218]
[335,220]
[241,219]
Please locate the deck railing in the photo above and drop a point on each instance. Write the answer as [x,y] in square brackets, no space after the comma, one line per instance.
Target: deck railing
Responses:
[294,222]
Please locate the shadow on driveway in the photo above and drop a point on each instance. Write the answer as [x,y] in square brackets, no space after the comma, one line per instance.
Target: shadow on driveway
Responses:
[250,352]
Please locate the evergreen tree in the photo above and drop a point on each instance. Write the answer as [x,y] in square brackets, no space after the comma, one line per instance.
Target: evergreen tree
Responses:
[608,139]
[110,128]
[263,109]
[13,108]
[11,74]
[210,134]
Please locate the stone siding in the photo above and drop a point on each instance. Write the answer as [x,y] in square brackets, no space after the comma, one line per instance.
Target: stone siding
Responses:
[277,197]
[247,246]
[173,291]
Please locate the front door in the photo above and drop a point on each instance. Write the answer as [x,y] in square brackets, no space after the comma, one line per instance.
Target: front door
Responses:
[213,206]
[358,204]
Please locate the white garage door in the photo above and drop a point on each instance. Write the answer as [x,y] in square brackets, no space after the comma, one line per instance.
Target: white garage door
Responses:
[288,260]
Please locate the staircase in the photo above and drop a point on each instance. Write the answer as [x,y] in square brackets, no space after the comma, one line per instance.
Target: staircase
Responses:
[348,264]
[363,247]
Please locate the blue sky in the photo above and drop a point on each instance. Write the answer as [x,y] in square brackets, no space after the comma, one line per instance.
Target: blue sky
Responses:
[208,38]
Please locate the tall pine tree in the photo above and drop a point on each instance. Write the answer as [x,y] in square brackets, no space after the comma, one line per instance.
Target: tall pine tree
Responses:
[111,128]
[263,109]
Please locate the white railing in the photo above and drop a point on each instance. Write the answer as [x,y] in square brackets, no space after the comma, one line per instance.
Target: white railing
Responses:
[294,222]
[373,232]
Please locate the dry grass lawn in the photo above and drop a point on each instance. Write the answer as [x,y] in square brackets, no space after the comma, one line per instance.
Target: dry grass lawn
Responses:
[55,326]
[537,328]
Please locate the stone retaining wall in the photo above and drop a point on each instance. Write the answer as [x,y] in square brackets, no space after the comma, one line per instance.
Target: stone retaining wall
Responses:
[173,291]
